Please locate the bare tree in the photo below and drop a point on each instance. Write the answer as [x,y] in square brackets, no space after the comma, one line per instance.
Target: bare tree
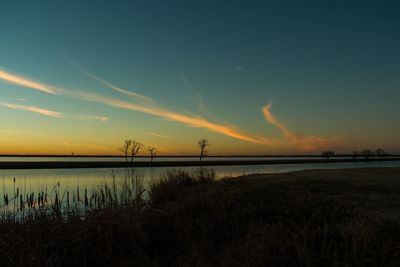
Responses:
[125,149]
[135,148]
[153,152]
[355,154]
[367,154]
[203,143]
[380,153]
[327,154]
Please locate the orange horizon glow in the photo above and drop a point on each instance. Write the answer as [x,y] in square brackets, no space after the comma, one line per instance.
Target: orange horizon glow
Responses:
[289,141]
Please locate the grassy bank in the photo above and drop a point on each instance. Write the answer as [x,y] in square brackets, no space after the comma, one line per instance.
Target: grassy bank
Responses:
[307,218]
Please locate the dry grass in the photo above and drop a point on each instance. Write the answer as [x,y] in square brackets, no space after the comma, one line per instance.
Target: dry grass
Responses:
[175,183]
[308,218]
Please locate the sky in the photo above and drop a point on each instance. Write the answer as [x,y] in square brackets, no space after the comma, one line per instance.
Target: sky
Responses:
[252,77]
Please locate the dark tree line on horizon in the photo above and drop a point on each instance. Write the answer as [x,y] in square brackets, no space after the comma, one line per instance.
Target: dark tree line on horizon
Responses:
[366,154]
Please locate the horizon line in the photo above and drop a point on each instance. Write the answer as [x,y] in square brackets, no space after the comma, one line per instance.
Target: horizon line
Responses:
[184,156]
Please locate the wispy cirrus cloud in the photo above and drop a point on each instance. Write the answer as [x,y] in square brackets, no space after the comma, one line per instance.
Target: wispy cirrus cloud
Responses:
[107,84]
[158,135]
[275,122]
[34,109]
[304,142]
[192,121]
[143,107]
[85,117]
[22,81]
[149,106]
[196,97]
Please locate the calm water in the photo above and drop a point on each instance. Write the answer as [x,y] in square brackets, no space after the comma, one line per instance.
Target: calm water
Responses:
[34,180]
[46,180]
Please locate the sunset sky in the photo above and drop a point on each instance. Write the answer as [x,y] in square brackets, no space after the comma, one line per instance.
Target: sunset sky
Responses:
[253,77]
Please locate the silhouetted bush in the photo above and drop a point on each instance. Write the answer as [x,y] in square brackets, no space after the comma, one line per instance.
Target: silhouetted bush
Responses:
[171,185]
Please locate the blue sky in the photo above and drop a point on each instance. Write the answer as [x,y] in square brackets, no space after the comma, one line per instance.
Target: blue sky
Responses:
[330,68]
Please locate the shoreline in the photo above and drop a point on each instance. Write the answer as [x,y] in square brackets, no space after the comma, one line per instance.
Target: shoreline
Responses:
[7,165]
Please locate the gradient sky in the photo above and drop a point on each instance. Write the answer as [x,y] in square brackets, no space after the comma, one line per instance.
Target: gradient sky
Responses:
[253,77]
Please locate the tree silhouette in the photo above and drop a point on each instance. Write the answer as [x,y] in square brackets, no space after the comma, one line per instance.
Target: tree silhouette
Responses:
[125,149]
[153,153]
[380,153]
[135,148]
[367,154]
[355,154]
[203,143]
[327,154]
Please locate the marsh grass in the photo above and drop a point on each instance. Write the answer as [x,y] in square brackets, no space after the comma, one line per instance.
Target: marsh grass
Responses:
[308,218]
[174,182]
[122,191]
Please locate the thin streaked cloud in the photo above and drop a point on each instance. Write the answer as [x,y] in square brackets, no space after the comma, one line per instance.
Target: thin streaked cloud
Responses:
[270,118]
[143,107]
[33,109]
[147,105]
[196,97]
[158,135]
[118,89]
[191,121]
[85,117]
[304,142]
[108,84]
[22,81]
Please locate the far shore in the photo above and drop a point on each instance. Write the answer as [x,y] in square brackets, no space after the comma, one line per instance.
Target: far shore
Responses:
[189,163]
[182,156]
